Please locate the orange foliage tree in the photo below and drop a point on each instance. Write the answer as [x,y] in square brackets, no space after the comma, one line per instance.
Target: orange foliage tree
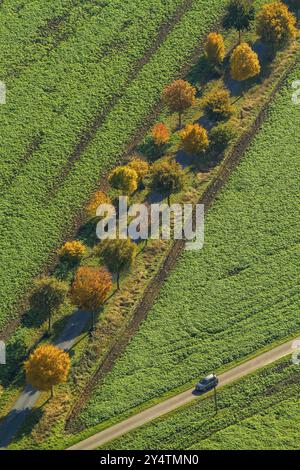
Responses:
[276,25]
[194,139]
[160,134]
[244,63]
[215,48]
[46,367]
[179,96]
[90,288]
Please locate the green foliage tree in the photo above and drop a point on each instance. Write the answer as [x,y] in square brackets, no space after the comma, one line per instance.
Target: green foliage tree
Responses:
[218,105]
[166,177]
[239,15]
[220,136]
[47,296]
[118,255]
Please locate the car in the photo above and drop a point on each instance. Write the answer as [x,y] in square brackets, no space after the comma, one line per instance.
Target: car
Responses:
[206,384]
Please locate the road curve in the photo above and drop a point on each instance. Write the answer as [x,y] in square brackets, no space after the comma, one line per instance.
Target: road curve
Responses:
[181,399]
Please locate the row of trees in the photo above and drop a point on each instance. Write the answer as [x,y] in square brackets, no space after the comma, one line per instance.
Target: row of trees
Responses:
[48,365]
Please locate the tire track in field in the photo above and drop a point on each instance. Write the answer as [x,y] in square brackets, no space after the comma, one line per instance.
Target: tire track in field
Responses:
[154,287]
[89,133]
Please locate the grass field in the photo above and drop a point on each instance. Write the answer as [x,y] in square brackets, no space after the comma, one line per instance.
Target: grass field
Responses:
[59,99]
[261,411]
[236,296]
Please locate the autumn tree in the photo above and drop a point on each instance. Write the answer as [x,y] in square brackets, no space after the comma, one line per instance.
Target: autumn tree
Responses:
[239,15]
[124,178]
[194,139]
[166,177]
[72,251]
[179,96]
[118,255]
[218,105]
[244,63]
[215,48]
[46,367]
[160,134]
[140,166]
[276,25]
[97,199]
[47,296]
[90,289]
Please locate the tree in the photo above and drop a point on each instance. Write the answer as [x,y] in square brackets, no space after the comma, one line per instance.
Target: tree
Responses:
[47,296]
[72,252]
[220,136]
[98,198]
[244,63]
[124,178]
[276,25]
[118,255]
[46,367]
[239,15]
[179,96]
[160,134]
[194,139]
[215,48]
[166,177]
[140,166]
[90,289]
[217,104]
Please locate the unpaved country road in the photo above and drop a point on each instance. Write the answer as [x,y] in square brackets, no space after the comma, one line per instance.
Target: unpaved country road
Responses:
[181,399]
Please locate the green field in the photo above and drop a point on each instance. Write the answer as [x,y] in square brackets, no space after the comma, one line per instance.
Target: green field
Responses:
[236,296]
[261,411]
[64,89]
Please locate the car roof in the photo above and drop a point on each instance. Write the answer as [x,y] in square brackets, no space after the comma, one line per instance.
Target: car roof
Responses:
[210,377]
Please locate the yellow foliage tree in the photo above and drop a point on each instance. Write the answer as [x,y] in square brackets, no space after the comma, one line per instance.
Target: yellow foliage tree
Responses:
[124,179]
[98,198]
[276,25]
[215,48]
[194,139]
[140,166]
[72,251]
[179,96]
[46,367]
[244,63]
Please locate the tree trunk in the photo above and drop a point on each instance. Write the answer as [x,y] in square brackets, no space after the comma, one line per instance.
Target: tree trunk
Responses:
[118,280]
[169,199]
[240,36]
[52,392]
[180,119]
[93,320]
[49,324]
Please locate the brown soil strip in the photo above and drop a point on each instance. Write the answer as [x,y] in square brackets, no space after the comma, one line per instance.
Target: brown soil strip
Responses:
[153,290]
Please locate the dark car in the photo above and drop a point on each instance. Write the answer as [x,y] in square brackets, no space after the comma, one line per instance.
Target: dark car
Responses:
[208,383]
